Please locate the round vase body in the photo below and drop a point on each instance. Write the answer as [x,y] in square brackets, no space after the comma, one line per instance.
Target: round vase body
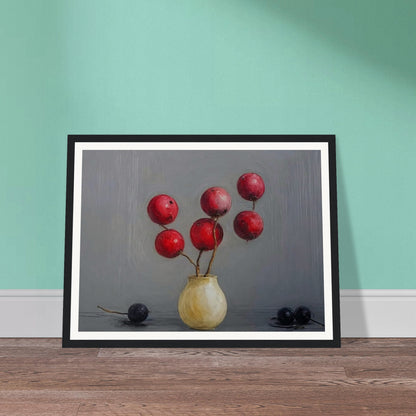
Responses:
[202,304]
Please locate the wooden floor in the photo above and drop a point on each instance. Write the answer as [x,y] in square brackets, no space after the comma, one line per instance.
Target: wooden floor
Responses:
[364,377]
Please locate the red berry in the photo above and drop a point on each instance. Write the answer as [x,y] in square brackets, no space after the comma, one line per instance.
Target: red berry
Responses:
[250,186]
[169,243]
[202,235]
[216,201]
[248,225]
[162,209]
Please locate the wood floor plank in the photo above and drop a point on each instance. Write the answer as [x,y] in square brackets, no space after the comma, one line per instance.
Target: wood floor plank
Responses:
[131,378]
[264,361]
[367,371]
[147,409]
[30,408]
[404,366]
[175,363]
[354,401]
[37,352]
[350,347]
[365,377]
[315,409]
[335,400]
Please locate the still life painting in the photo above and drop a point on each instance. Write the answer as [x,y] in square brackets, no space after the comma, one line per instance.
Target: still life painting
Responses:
[201,241]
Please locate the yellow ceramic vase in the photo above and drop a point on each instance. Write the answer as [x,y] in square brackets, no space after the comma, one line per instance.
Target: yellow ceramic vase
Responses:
[202,304]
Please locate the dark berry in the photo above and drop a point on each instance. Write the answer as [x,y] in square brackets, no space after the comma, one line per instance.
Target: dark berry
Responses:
[285,316]
[302,315]
[137,312]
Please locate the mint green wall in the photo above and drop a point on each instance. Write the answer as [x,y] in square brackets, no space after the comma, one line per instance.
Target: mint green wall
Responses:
[191,66]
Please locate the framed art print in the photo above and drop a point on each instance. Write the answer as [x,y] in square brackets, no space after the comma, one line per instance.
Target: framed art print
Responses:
[201,241]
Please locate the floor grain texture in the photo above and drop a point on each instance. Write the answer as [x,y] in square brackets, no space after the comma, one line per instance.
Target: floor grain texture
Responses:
[363,377]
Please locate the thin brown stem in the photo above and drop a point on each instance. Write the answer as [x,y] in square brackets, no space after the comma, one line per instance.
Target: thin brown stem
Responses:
[197,262]
[319,323]
[254,204]
[110,311]
[215,246]
[190,260]
[183,254]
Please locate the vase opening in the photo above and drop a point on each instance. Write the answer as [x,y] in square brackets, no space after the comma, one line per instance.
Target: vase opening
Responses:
[202,276]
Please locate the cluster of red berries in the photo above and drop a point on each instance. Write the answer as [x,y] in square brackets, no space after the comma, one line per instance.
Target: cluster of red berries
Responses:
[163,210]
[248,224]
[206,233]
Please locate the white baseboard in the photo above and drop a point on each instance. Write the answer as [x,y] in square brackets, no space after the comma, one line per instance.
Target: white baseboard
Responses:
[31,313]
[365,313]
[378,313]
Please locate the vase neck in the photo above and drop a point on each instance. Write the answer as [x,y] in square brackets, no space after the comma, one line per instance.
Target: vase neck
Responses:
[202,277]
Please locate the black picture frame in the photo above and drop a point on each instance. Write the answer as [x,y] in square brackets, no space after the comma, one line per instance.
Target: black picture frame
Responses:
[328,143]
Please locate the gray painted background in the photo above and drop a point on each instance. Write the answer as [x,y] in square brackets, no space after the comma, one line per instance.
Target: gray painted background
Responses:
[119,264]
